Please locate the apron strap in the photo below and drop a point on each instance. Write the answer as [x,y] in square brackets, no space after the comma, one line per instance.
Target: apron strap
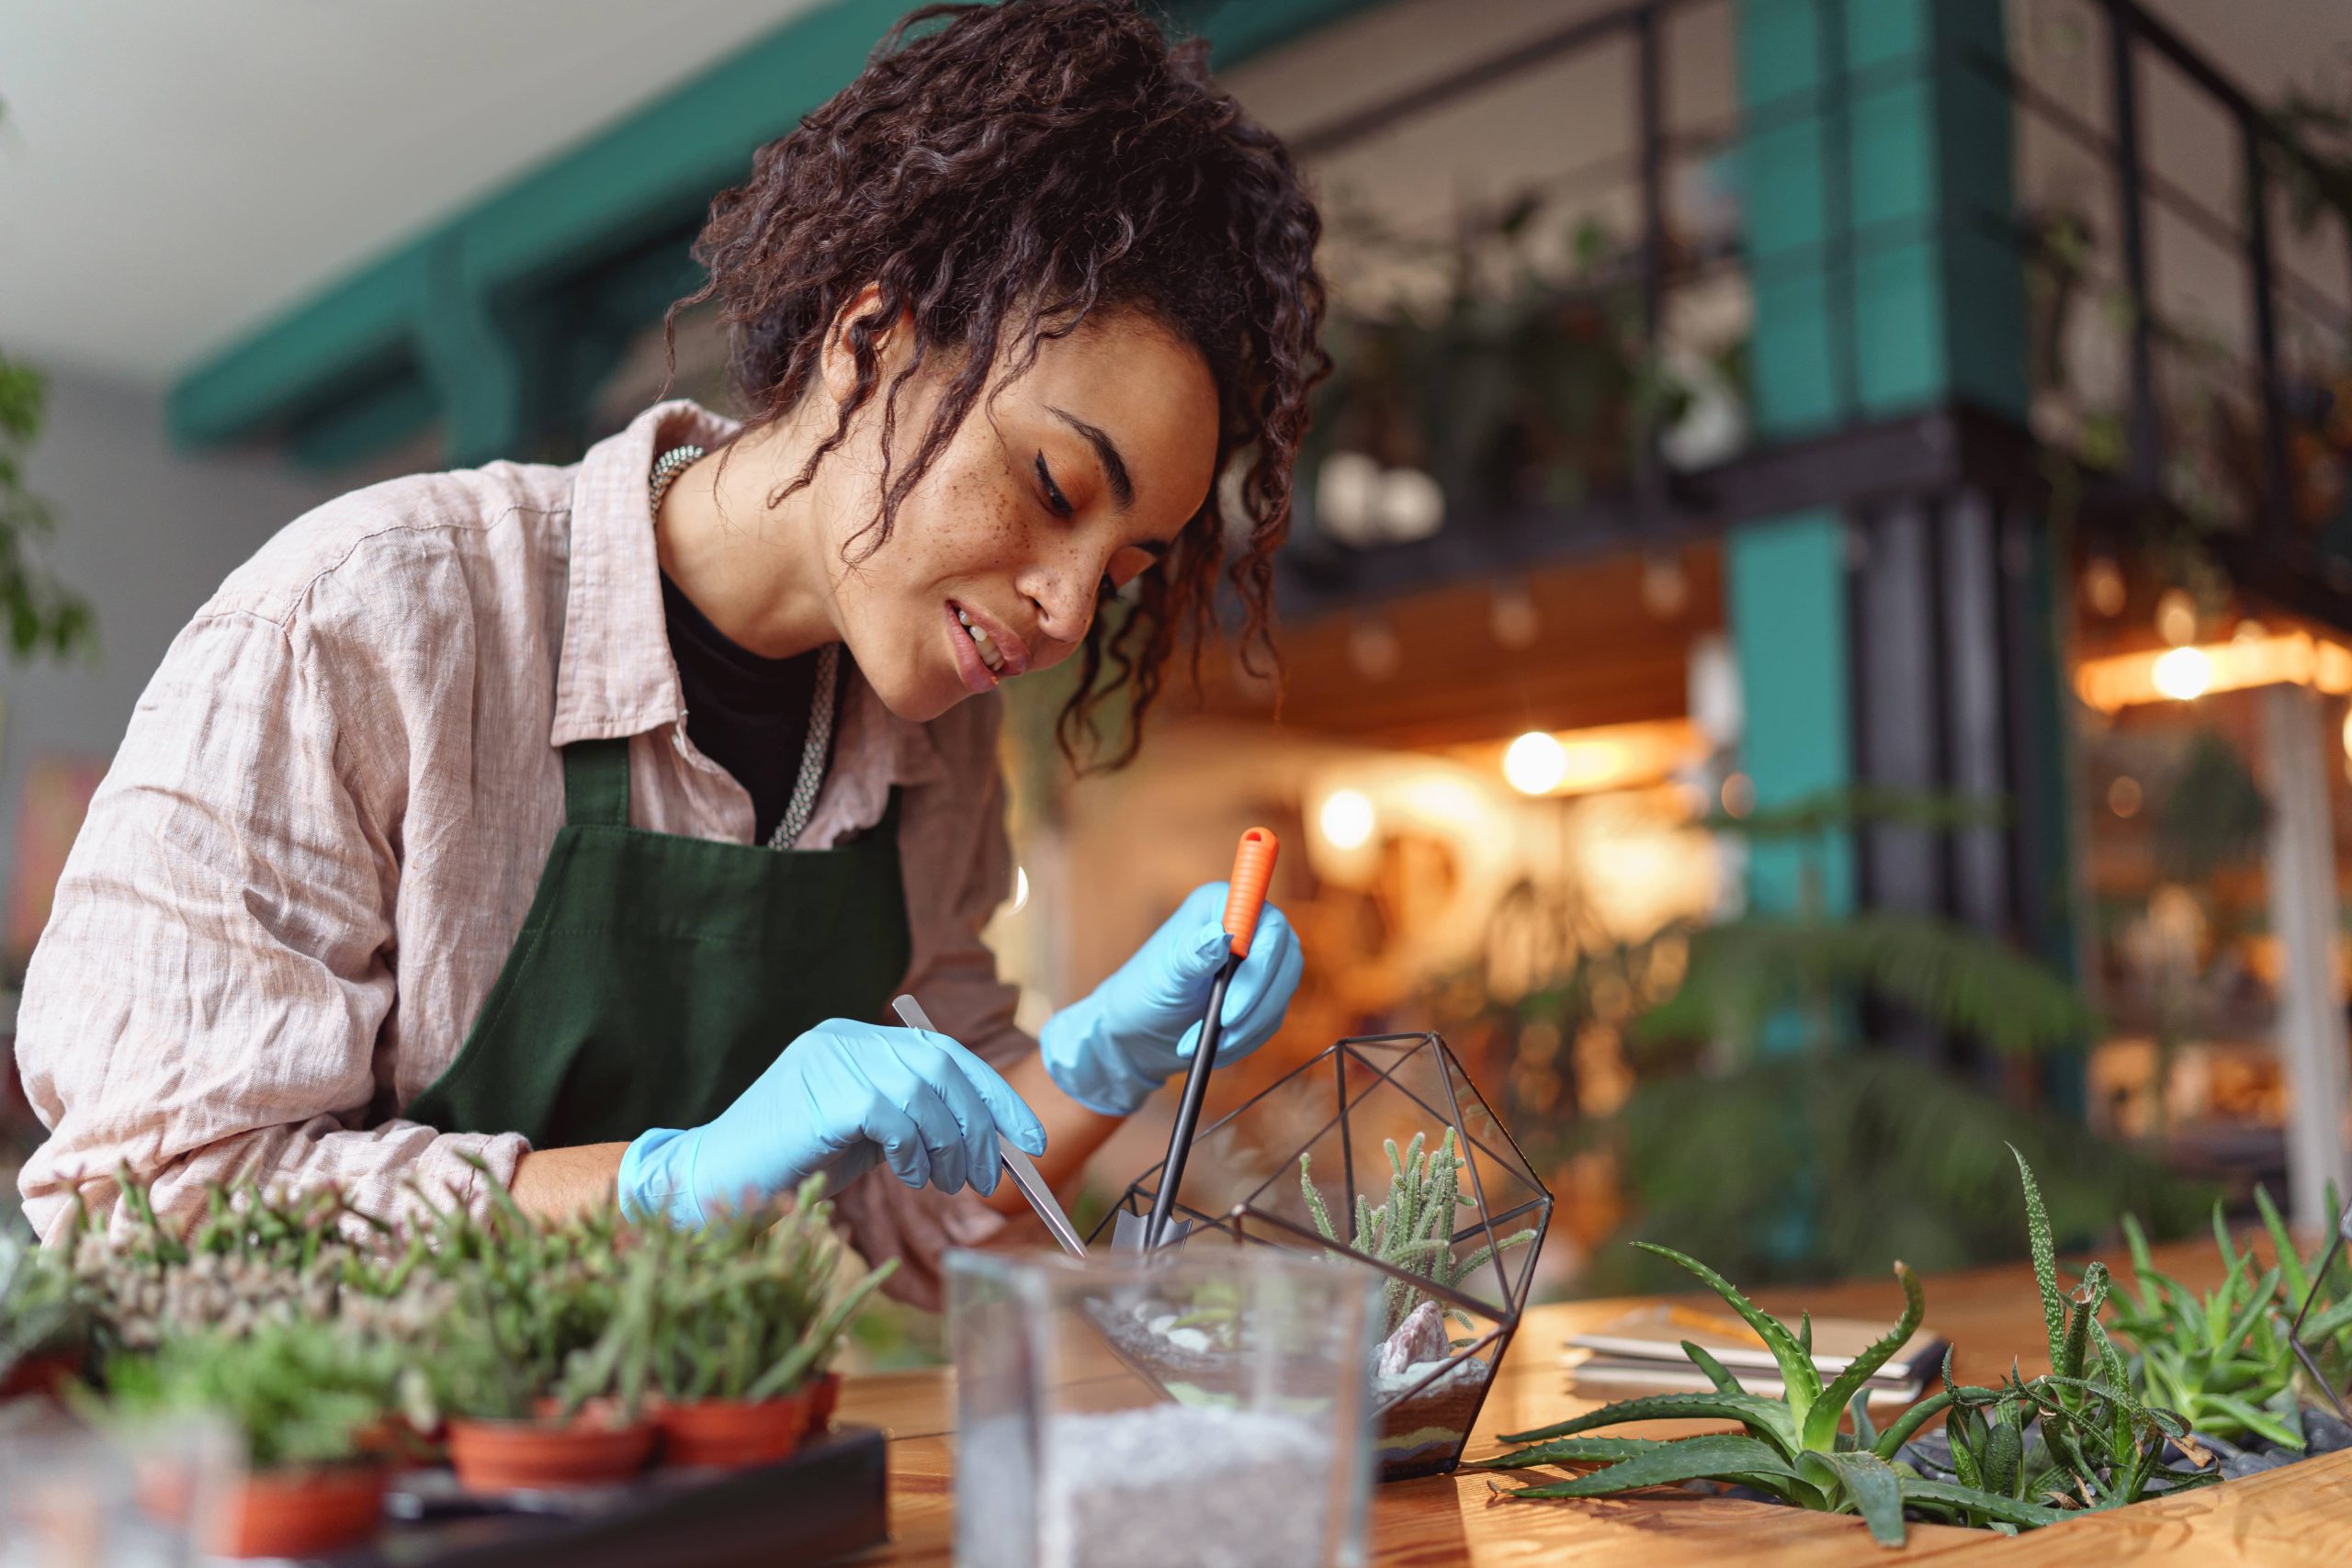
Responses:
[595,783]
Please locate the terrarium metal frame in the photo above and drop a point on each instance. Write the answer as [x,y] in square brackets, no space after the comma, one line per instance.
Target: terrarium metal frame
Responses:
[1247,1222]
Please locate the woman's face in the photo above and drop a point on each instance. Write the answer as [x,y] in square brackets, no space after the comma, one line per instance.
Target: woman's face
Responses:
[1057,490]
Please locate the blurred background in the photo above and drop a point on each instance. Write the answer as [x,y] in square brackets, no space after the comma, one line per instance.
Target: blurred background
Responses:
[1819,635]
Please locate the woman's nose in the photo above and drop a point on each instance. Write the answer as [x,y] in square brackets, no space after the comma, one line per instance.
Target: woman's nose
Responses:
[1064,597]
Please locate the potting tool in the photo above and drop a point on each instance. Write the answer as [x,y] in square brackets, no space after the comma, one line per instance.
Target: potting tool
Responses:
[1253,868]
[1024,1174]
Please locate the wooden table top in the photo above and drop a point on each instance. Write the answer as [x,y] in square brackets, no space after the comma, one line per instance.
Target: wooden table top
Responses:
[2302,1513]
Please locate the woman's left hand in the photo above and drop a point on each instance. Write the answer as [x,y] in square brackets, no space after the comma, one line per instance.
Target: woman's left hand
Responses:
[1140,1026]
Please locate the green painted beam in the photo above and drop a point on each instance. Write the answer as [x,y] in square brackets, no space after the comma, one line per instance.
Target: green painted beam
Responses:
[1785,600]
[444,298]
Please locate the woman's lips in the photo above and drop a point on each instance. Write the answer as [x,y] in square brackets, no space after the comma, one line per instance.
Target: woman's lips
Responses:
[976,674]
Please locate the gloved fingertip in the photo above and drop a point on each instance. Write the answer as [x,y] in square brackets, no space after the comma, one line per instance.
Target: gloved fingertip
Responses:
[986,1176]
[1031,1140]
[1210,948]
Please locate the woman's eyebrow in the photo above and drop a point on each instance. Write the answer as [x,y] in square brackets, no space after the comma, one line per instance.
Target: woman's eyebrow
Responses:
[1115,467]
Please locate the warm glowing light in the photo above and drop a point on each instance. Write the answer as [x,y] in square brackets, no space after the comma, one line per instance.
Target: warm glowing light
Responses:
[1535,763]
[1020,888]
[2177,617]
[2184,674]
[2103,585]
[2123,795]
[1347,819]
[2295,659]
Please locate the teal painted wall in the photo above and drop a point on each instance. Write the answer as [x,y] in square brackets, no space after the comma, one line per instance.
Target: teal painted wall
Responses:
[448,326]
[1876,189]
[1786,600]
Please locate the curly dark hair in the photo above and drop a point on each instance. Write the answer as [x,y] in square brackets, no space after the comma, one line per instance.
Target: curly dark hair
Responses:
[1014,169]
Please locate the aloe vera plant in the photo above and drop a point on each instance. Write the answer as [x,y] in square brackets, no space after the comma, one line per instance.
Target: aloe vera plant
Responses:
[1412,1229]
[1795,1447]
[2221,1360]
[2026,1453]
[2076,1438]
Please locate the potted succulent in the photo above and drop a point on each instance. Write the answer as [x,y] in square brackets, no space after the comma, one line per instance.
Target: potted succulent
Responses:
[744,1329]
[309,1402]
[43,1321]
[1413,1230]
[541,1365]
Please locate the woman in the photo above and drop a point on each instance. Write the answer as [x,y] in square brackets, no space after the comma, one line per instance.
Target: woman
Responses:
[579,823]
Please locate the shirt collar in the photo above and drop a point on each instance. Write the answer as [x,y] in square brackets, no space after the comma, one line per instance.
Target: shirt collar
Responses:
[616,677]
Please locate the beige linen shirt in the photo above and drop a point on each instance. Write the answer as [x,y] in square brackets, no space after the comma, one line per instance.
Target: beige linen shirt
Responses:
[324,826]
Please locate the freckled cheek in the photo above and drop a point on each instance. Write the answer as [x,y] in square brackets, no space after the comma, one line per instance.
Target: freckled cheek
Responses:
[970,529]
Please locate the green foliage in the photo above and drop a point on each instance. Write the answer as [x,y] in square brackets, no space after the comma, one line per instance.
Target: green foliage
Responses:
[498,1312]
[596,1309]
[1522,383]
[744,1308]
[1845,1155]
[42,1311]
[2221,1360]
[41,614]
[2211,815]
[1745,971]
[297,1394]
[2078,1436]
[1843,1162]
[1412,1229]
[1795,1447]
[2026,1453]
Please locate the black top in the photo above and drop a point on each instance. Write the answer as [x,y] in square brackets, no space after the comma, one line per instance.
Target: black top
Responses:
[748,714]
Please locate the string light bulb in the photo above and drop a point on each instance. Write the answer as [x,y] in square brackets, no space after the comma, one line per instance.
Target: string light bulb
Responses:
[1347,819]
[2184,674]
[1535,763]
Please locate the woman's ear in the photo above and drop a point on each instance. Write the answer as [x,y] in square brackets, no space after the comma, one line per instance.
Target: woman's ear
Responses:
[838,361]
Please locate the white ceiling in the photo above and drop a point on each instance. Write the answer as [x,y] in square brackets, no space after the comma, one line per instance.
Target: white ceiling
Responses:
[173,173]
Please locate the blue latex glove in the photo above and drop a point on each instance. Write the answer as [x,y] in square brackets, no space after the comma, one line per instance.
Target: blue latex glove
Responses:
[1140,1026]
[841,1098]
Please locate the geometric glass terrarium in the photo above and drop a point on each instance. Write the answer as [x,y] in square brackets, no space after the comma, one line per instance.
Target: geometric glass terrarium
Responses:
[1382,1150]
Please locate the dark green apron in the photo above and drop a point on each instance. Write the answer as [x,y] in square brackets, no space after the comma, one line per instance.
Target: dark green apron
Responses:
[656,975]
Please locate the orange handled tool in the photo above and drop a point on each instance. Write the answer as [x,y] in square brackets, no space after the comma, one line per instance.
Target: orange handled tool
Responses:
[1253,868]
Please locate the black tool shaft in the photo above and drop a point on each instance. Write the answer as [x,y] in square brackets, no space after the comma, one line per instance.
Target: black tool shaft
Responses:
[1188,1109]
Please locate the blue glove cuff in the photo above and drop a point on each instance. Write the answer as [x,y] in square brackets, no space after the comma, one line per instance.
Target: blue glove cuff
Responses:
[657,1177]
[1089,1066]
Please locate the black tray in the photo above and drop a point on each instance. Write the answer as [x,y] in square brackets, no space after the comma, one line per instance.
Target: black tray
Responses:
[828,1500]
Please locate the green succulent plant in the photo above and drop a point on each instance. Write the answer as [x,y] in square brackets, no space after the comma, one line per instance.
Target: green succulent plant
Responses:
[2026,1453]
[542,1308]
[2078,1436]
[747,1308]
[2222,1360]
[1412,1229]
[295,1394]
[43,1311]
[1794,1447]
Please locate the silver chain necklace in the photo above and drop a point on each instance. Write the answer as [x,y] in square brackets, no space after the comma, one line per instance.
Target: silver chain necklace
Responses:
[820,744]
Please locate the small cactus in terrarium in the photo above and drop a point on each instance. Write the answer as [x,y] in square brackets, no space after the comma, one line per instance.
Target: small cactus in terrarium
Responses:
[1412,1230]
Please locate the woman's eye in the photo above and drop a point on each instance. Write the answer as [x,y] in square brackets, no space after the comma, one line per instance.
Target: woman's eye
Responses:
[1054,499]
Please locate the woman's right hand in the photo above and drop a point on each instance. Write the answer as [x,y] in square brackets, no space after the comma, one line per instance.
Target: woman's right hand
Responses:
[840,1098]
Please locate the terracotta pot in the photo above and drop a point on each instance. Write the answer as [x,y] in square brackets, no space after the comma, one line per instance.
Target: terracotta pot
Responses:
[299,1512]
[733,1433]
[823,1394]
[40,1377]
[499,1456]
